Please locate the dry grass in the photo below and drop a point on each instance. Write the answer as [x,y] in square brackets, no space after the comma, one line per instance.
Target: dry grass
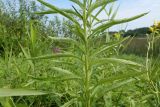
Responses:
[139,46]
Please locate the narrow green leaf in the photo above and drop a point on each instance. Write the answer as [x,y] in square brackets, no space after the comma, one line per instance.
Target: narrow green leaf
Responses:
[110,10]
[57,78]
[55,12]
[119,77]
[27,55]
[62,62]
[146,97]
[78,13]
[78,3]
[59,55]
[101,22]
[115,60]
[46,12]
[63,71]
[59,11]
[95,16]
[69,103]
[104,48]
[18,92]
[101,90]
[98,4]
[109,24]
[115,13]
[33,34]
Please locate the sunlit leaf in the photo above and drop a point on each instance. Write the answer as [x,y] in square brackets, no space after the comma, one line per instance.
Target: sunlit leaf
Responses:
[18,92]
[115,22]
[115,60]
[55,12]
[59,11]
[120,76]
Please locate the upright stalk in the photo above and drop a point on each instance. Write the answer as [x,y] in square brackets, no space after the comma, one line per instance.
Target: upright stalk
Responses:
[86,60]
[87,79]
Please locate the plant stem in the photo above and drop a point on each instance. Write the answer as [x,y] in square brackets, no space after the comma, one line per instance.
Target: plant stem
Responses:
[86,61]
[87,80]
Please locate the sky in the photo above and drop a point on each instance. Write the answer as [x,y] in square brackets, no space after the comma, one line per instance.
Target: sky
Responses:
[128,8]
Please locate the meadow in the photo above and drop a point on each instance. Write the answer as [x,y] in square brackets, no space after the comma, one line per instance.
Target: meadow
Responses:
[75,61]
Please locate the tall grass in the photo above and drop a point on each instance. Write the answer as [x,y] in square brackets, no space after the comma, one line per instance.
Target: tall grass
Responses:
[152,67]
[139,46]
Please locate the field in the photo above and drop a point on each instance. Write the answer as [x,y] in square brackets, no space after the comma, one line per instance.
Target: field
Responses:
[75,61]
[139,46]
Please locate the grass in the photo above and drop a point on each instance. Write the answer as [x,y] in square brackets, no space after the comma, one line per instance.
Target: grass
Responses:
[45,78]
[138,46]
[82,75]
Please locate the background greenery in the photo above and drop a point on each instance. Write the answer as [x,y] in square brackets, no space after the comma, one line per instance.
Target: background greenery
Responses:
[24,35]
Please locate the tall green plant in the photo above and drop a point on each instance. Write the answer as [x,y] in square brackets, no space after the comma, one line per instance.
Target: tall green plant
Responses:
[89,85]
[152,78]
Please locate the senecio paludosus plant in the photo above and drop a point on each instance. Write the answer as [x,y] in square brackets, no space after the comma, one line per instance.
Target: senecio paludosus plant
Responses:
[151,80]
[86,60]
[86,26]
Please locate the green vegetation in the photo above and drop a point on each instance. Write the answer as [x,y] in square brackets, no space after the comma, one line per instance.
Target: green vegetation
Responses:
[66,62]
[140,32]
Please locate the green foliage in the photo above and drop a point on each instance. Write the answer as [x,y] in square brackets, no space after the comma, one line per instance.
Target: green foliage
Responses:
[86,71]
[139,46]
[17,23]
[139,32]
[87,88]
[18,92]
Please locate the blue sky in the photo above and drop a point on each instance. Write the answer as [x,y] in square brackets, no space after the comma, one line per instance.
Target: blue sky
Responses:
[128,8]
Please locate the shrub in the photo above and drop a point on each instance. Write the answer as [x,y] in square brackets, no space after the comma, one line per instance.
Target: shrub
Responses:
[87,85]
